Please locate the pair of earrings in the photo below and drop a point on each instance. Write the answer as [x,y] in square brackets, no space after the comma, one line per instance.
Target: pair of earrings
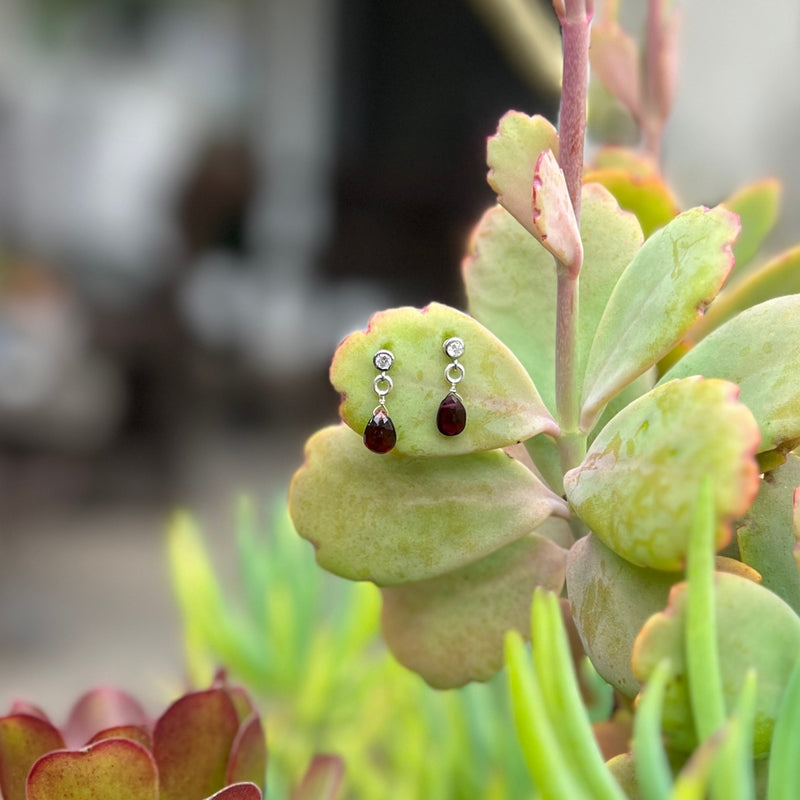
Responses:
[380,435]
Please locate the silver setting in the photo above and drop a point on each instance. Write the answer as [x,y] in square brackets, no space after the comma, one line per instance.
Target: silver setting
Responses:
[383,359]
[454,379]
[454,371]
[382,383]
[453,347]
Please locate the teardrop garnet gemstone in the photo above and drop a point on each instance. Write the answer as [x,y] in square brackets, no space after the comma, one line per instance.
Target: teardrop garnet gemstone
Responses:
[451,418]
[380,435]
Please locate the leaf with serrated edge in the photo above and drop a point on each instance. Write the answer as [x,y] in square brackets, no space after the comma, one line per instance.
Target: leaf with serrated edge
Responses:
[757,206]
[755,629]
[636,487]
[554,223]
[450,629]
[760,351]
[511,281]
[779,276]
[648,197]
[111,768]
[677,272]
[765,536]
[611,599]
[512,154]
[395,520]
[503,405]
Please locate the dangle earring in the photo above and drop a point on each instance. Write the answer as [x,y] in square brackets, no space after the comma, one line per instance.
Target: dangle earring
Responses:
[451,418]
[380,435]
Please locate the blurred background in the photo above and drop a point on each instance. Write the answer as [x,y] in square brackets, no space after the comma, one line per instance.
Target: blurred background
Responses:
[198,200]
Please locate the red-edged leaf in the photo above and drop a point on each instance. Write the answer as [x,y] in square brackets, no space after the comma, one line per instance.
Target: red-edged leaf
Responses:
[114,768]
[135,733]
[23,739]
[192,743]
[238,791]
[101,708]
[322,779]
[248,759]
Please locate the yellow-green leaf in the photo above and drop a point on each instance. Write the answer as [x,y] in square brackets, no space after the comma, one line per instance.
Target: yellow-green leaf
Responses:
[450,629]
[759,350]
[511,281]
[636,488]
[757,206]
[393,520]
[677,272]
[502,403]
[755,629]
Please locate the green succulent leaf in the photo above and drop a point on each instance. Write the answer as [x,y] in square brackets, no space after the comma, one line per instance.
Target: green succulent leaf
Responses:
[646,196]
[553,660]
[503,405]
[511,281]
[23,739]
[733,777]
[677,272]
[395,520]
[112,768]
[765,536]
[755,629]
[512,154]
[652,766]
[784,766]
[450,629]
[636,487]
[611,599]
[192,742]
[759,350]
[322,780]
[757,206]
[702,654]
[779,276]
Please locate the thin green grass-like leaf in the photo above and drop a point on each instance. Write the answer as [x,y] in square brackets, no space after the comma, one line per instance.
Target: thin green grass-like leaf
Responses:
[652,767]
[549,766]
[562,698]
[732,777]
[692,781]
[784,766]
[702,655]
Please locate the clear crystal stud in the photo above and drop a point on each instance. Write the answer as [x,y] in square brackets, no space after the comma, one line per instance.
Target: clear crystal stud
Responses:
[454,347]
[383,360]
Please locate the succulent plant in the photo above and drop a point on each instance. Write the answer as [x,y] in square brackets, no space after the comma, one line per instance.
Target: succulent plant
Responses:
[207,745]
[637,352]
[308,646]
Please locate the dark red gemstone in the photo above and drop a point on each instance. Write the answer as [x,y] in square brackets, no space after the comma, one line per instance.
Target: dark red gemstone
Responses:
[380,435]
[451,418]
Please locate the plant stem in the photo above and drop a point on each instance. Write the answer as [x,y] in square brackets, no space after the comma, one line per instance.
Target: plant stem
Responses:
[575,17]
[651,127]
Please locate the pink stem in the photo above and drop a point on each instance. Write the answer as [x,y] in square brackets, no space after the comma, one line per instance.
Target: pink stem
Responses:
[575,17]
